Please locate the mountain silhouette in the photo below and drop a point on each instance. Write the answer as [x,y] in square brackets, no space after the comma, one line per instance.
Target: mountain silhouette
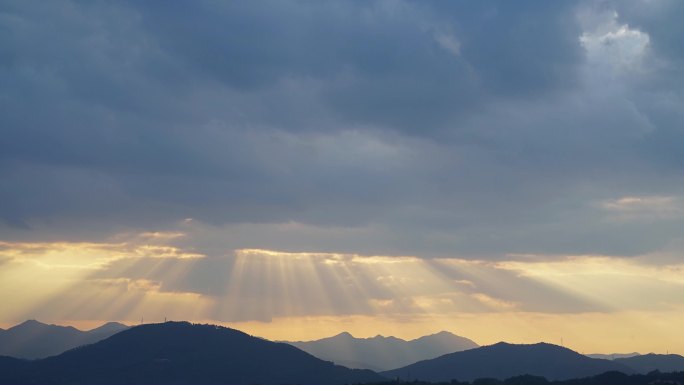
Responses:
[649,362]
[183,353]
[505,360]
[32,339]
[383,353]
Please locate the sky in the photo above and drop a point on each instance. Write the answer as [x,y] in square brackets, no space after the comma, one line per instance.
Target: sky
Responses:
[502,170]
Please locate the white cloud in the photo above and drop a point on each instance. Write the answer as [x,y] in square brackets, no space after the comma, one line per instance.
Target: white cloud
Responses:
[613,47]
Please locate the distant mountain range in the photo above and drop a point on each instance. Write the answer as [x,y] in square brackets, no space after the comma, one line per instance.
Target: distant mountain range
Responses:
[383,353]
[33,339]
[181,353]
[504,360]
[612,356]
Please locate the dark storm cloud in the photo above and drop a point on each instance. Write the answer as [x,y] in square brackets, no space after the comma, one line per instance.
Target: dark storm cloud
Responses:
[381,62]
[452,127]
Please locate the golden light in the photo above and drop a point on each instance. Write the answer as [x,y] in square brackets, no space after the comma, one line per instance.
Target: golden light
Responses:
[288,295]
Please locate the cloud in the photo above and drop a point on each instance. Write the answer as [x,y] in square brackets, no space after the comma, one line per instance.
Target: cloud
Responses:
[390,128]
[263,285]
[647,208]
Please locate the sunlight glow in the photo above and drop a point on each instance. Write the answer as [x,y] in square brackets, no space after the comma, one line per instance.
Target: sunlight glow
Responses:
[271,293]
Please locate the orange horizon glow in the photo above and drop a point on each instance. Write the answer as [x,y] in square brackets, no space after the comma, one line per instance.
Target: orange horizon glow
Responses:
[306,296]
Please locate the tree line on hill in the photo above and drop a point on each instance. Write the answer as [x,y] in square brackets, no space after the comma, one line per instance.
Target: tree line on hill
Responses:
[609,378]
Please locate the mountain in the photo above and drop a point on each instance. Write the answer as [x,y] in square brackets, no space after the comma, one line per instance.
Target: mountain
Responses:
[383,353]
[612,356]
[32,339]
[649,362]
[504,360]
[104,331]
[183,353]
[11,370]
[7,363]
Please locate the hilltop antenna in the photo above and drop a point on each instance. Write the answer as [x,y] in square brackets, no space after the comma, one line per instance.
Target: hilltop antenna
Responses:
[141,320]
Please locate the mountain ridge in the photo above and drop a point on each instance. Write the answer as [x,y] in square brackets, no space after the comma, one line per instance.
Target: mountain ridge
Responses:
[383,352]
[503,360]
[648,362]
[183,353]
[33,339]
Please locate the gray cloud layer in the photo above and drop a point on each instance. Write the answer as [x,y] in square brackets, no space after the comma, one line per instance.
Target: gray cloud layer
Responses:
[459,128]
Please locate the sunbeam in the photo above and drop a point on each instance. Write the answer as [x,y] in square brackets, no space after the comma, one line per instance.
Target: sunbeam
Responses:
[274,293]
